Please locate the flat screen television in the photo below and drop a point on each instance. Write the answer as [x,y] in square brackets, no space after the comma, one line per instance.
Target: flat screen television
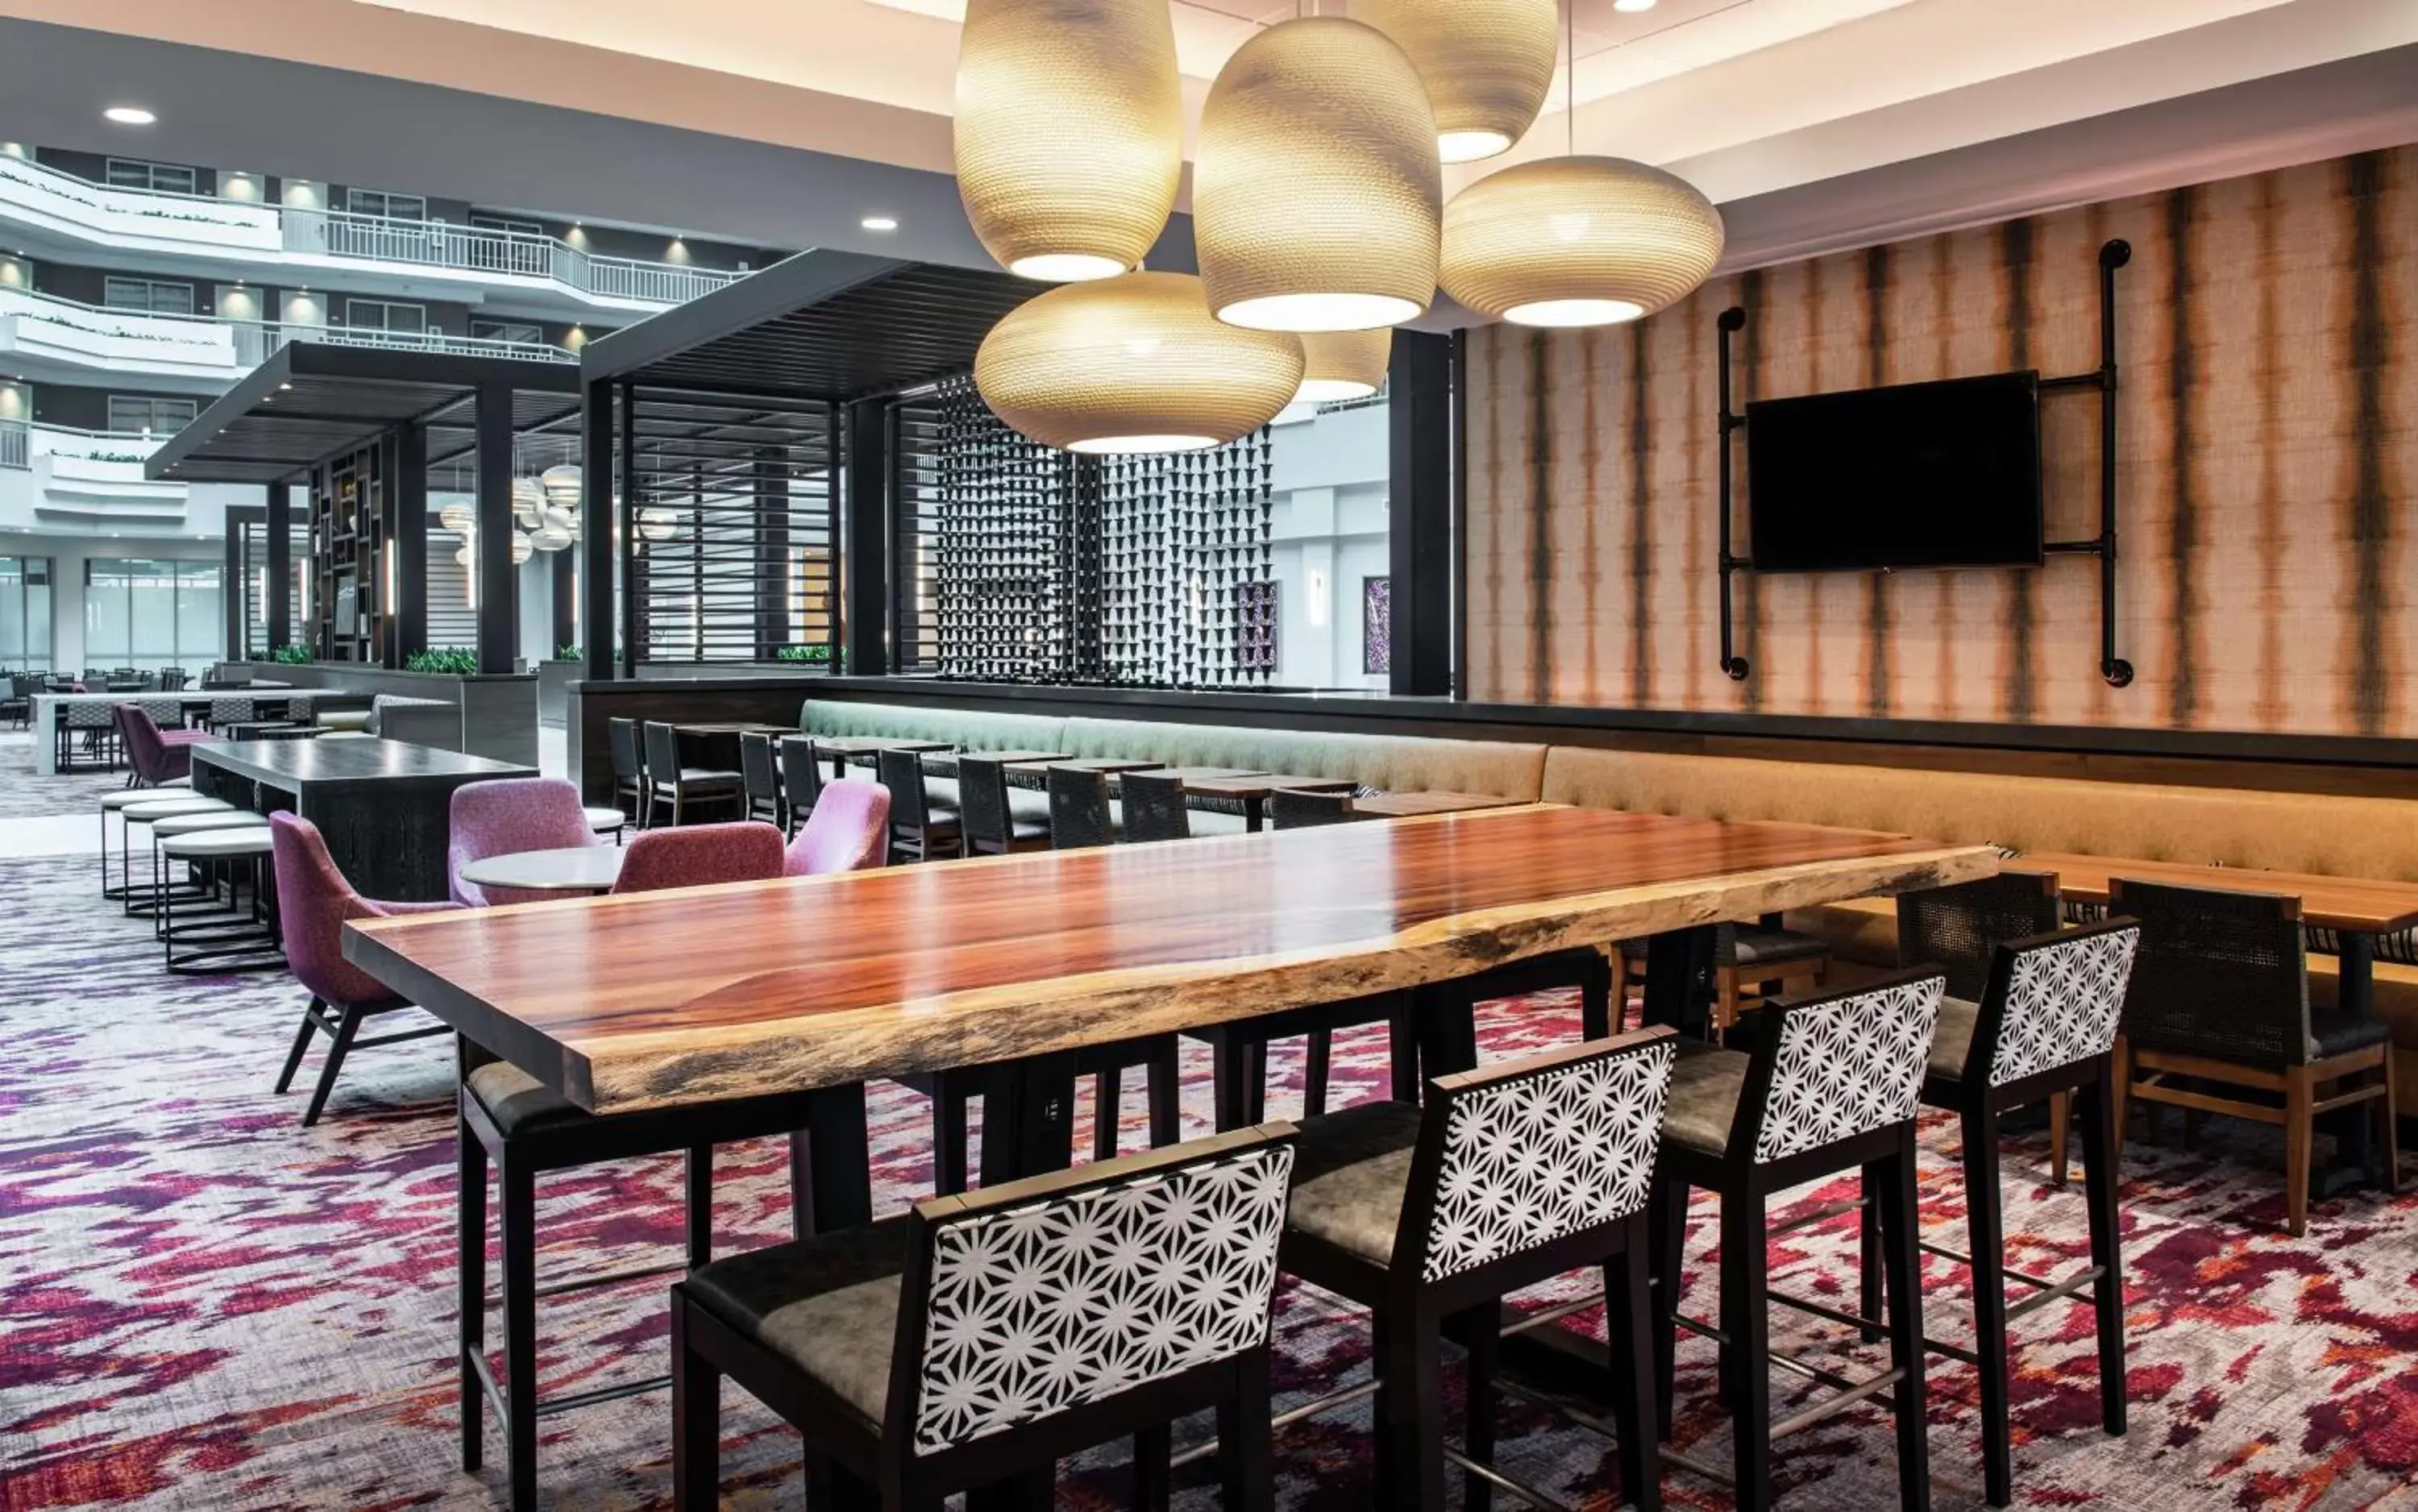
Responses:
[1915,475]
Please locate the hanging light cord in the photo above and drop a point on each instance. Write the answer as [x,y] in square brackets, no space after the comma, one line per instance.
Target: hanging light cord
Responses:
[1571,77]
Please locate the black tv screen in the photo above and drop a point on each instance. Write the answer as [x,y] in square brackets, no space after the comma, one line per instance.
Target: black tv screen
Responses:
[1916,475]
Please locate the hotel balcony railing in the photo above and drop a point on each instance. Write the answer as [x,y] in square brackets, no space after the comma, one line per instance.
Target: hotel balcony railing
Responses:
[125,341]
[15,453]
[203,223]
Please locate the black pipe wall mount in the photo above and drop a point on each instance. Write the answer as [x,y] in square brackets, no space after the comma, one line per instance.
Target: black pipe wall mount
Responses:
[2114,668]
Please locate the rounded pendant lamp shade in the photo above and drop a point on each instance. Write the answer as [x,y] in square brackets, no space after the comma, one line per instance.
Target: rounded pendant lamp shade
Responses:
[1488,64]
[1316,190]
[1133,364]
[1069,132]
[1578,241]
[1343,365]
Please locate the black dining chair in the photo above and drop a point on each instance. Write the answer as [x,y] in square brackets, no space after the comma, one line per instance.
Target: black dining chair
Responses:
[802,779]
[1078,809]
[668,781]
[1291,809]
[759,779]
[628,767]
[1155,807]
[920,830]
[992,826]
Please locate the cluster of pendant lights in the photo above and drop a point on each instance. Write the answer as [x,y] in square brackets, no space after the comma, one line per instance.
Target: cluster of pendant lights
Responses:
[1318,208]
[545,514]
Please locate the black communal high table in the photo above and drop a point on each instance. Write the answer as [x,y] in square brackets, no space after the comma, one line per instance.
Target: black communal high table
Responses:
[383,805]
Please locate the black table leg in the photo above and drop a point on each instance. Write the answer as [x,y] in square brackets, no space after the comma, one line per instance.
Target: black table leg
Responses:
[1680,980]
[831,1164]
[1255,809]
[1029,1118]
[2354,998]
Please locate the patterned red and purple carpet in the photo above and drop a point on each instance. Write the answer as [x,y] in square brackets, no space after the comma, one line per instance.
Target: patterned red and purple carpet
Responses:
[203,1305]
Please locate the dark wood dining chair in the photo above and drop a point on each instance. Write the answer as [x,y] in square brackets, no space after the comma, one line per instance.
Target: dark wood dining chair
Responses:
[2042,1024]
[628,767]
[1831,1084]
[989,823]
[1428,1217]
[1078,809]
[924,1354]
[1290,809]
[2220,998]
[1959,929]
[1154,808]
[802,779]
[760,780]
[669,781]
[920,830]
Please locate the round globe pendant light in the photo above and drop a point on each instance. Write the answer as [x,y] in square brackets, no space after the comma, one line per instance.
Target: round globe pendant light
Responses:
[1131,364]
[1488,64]
[562,485]
[1578,241]
[1343,365]
[458,518]
[1316,189]
[1069,132]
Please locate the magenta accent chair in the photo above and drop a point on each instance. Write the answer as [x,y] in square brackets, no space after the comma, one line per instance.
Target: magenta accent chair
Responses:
[848,831]
[313,903]
[156,756]
[699,855]
[500,818]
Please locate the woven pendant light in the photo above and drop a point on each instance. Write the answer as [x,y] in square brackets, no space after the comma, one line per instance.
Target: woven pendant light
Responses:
[1343,365]
[1133,364]
[1578,241]
[1316,191]
[1069,132]
[1488,65]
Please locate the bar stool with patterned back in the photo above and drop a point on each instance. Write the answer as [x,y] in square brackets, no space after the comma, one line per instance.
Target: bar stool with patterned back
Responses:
[990,825]
[2042,1024]
[801,778]
[1510,1176]
[668,781]
[1154,808]
[920,830]
[760,780]
[228,710]
[1831,1084]
[1959,929]
[927,1354]
[1078,809]
[628,769]
[88,727]
[2220,998]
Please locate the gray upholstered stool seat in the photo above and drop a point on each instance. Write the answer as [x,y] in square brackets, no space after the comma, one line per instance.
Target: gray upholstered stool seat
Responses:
[604,820]
[1705,1086]
[1350,1176]
[162,808]
[183,824]
[1759,946]
[218,844]
[1953,1041]
[828,1305]
[517,1101]
[125,797]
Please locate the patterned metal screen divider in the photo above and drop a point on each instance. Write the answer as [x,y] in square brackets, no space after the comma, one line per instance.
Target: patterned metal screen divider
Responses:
[1020,563]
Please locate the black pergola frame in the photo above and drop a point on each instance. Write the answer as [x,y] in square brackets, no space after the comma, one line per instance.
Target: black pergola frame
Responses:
[313,402]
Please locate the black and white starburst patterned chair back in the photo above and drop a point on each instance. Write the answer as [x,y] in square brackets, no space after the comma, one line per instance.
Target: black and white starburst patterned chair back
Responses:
[1013,1314]
[2053,1002]
[1517,1157]
[1829,1069]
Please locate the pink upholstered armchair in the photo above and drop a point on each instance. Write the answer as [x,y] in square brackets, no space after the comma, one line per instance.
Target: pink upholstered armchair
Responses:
[849,830]
[313,904]
[156,756]
[699,855]
[502,818]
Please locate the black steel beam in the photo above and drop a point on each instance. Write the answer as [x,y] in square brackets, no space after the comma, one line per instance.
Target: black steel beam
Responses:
[279,612]
[498,606]
[866,534]
[409,610]
[807,278]
[596,524]
[1420,504]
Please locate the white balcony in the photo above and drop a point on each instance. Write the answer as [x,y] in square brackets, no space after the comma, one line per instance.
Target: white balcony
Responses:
[79,220]
[59,341]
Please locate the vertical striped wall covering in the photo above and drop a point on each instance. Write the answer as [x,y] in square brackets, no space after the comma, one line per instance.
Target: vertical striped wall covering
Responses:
[2268,476]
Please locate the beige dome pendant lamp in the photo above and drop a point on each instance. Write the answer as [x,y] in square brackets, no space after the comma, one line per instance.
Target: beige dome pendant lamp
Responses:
[1343,365]
[1489,64]
[1578,241]
[1133,364]
[1069,132]
[1316,189]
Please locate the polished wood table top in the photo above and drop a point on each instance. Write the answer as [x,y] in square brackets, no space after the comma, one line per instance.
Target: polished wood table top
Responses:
[290,764]
[1261,783]
[1106,766]
[825,980]
[568,869]
[2350,904]
[1411,806]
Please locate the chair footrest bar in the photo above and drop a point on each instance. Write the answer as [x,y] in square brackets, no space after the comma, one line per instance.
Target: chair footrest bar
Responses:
[1824,1311]
[1495,1477]
[1962,1258]
[494,1391]
[1699,1327]
[403,1036]
[1694,1466]
[1823,1412]
[1821,1214]
[1565,1407]
[1551,1315]
[1327,1403]
[2054,1290]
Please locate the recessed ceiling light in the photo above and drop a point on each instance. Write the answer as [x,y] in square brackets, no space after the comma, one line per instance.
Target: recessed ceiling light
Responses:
[1633,5]
[128,115]
[879,223]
